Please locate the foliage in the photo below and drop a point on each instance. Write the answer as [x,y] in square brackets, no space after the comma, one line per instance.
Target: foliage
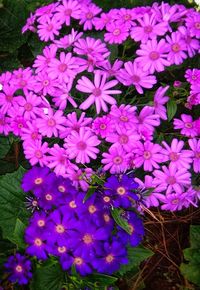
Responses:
[191,269]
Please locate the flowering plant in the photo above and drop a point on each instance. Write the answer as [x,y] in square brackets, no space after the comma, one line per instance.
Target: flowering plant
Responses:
[107,134]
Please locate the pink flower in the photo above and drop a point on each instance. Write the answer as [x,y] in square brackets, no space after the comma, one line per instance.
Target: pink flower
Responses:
[148,155]
[192,75]
[112,70]
[193,24]
[177,47]
[149,28]
[30,133]
[88,12]
[69,9]
[147,120]
[123,116]
[30,105]
[62,96]
[116,160]
[174,201]
[64,69]
[4,124]
[178,157]
[100,92]
[7,98]
[50,125]
[29,24]
[58,160]
[23,79]
[159,100]
[69,39]
[80,177]
[5,78]
[123,138]
[41,62]
[171,179]
[45,84]
[82,145]
[186,125]
[134,75]
[17,121]
[195,146]
[36,152]
[126,17]
[153,198]
[103,126]
[103,20]
[48,29]
[45,12]
[116,32]
[153,56]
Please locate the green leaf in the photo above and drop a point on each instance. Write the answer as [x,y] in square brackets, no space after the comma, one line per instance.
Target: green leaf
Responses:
[12,204]
[135,256]
[191,270]
[18,235]
[102,280]
[116,214]
[171,109]
[48,278]
[4,146]
[148,191]
[90,192]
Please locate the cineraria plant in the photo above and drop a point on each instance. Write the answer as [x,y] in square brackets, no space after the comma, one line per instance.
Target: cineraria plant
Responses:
[107,133]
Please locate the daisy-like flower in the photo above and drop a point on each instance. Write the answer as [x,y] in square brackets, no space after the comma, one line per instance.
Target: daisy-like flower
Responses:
[82,145]
[117,32]
[112,70]
[69,9]
[153,56]
[116,160]
[148,155]
[134,75]
[177,47]
[88,12]
[176,155]
[36,152]
[103,126]
[48,29]
[30,133]
[7,98]
[58,159]
[4,124]
[45,84]
[41,62]
[171,179]
[29,24]
[124,116]
[23,79]
[103,20]
[64,68]
[100,92]
[126,16]
[30,105]
[45,12]
[158,102]
[50,125]
[79,177]
[192,75]
[68,40]
[193,24]
[186,124]
[147,120]
[149,28]
[195,146]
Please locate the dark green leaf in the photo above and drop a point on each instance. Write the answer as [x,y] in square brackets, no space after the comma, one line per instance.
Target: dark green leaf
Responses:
[135,256]
[149,191]
[4,146]
[103,280]
[18,235]
[171,109]
[11,202]
[116,214]
[48,278]
[90,192]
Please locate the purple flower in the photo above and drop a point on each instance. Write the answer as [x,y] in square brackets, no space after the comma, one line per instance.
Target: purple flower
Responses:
[19,269]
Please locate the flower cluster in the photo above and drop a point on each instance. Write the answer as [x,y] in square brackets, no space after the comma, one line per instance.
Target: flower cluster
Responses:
[80,233]
[193,78]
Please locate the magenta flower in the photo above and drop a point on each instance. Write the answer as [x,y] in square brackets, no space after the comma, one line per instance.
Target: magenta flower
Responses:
[124,116]
[36,152]
[7,98]
[69,9]
[177,47]
[58,160]
[30,105]
[82,145]
[153,56]
[69,39]
[16,120]
[193,24]
[174,202]
[30,133]
[192,75]
[178,157]
[101,22]
[45,12]
[159,100]
[195,146]
[29,24]
[44,84]
[63,69]
[41,62]
[116,32]
[103,126]
[80,177]
[88,12]
[134,75]
[171,179]
[48,29]
[49,125]
[186,125]
[154,197]
[147,120]
[149,28]
[23,79]
[100,92]
[148,155]
[4,124]
[112,70]
[126,16]
[116,160]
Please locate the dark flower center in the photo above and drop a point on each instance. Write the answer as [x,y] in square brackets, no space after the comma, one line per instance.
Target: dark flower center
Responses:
[97,92]
[173,156]
[171,180]
[176,47]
